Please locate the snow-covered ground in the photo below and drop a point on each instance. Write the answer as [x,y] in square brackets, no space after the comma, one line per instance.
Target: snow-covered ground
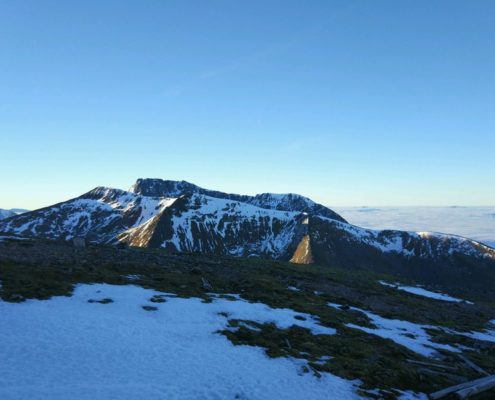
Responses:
[476,223]
[419,291]
[67,348]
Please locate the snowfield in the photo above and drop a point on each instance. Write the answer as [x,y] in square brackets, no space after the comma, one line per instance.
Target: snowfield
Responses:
[67,348]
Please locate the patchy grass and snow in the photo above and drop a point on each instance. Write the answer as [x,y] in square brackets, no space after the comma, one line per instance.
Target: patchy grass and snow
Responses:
[66,347]
[425,293]
[487,335]
[415,336]
[408,334]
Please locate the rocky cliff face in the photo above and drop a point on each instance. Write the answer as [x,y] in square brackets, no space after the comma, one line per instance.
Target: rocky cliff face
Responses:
[204,224]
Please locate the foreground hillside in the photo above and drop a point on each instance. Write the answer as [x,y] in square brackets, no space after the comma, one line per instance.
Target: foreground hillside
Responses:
[143,322]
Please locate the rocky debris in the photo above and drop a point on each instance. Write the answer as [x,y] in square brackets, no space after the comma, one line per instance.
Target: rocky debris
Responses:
[150,308]
[303,253]
[206,285]
[102,301]
[158,299]
[16,298]
[466,389]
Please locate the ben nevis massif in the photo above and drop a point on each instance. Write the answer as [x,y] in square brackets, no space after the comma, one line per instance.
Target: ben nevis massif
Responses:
[181,217]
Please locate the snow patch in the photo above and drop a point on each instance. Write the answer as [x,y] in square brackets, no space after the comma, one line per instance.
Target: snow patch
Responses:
[425,293]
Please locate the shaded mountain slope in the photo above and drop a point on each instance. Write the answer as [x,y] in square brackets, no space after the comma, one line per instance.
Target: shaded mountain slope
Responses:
[424,256]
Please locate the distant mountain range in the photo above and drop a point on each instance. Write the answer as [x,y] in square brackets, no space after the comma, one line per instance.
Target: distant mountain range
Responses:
[10,213]
[179,216]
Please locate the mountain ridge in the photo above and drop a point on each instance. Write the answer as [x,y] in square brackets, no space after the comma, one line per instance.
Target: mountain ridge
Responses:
[284,201]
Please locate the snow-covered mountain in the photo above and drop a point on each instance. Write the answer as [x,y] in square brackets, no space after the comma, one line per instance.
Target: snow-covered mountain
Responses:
[99,215]
[182,217]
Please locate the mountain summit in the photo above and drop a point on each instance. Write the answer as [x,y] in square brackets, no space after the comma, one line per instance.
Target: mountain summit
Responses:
[271,201]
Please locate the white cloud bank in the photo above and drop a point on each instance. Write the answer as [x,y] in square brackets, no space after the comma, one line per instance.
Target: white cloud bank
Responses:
[476,223]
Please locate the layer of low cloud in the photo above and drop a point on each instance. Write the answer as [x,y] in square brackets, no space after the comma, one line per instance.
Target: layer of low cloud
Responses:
[473,222]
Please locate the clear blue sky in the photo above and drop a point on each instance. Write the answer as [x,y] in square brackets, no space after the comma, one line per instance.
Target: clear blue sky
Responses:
[347,102]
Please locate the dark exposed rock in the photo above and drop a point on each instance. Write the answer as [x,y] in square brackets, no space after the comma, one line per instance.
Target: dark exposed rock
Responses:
[158,299]
[102,301]
[206,285]
[16,298]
